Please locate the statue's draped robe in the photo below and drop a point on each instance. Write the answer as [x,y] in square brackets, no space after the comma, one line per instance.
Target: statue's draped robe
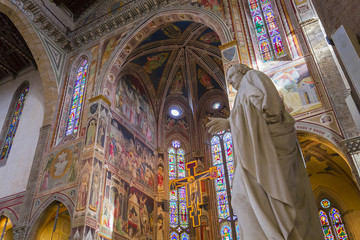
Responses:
[271,193]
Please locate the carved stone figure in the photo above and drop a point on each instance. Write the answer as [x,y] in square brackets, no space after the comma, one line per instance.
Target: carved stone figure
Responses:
[271,192]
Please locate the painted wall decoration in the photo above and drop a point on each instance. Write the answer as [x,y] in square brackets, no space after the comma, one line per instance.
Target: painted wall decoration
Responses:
[169,31]
[130,156]
[210,37]
[205,81]
[176,123]
[91,131]
[154,65]
[178,83]
[83,190]
[126,211]
[95,185]
[60,169]
[102,128]
[132,103]
[296,86]
[160,173]
[213,5]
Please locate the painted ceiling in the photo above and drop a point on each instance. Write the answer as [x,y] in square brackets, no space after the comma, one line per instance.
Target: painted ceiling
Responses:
[179,58]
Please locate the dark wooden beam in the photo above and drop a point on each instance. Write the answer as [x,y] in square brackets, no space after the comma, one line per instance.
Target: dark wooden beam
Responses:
[24,53]
[8,69]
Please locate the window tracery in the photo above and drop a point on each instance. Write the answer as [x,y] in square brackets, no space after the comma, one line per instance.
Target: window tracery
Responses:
[14,115]
[222,158]
[177,198]
[77,99]
[332,226]
[267,32]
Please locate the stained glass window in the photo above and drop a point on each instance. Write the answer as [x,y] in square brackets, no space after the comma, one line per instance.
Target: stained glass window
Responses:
[14,122]
[222,158]
[179,222]
[335,225]
[267,31]
[77,99]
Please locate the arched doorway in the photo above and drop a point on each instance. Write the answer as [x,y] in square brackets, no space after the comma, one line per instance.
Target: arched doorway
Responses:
[331,179]
[47,227]
[6,228]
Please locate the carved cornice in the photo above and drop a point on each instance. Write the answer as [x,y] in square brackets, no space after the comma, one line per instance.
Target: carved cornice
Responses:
[353,145]
[227,45]
[68,39]
[100,97]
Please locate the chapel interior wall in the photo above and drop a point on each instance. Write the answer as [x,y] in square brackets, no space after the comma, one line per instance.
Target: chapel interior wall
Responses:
[27,134]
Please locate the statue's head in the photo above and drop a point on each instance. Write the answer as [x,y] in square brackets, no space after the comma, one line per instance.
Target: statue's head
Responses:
[236,73]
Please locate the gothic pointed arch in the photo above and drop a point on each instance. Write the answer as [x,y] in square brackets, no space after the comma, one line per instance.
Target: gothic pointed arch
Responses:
[40,56]
[149,24]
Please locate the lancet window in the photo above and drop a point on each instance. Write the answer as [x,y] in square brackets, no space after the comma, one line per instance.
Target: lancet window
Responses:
[13,120]
[331,222]
[179,223]
[77,98]
[267,31]
[222,158]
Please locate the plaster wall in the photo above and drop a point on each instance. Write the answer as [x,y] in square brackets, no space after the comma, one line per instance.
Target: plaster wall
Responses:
[16,169]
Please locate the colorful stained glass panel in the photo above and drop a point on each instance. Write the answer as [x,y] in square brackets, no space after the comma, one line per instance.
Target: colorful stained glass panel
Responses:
[226,233]
[77,97]
[14,124]
[174,236]
[325,203]
[184,236]
[175,144]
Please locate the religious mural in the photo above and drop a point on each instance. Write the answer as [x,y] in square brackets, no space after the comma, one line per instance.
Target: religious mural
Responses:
[178,83]
[60,169]
[132,103]
[102,128]
[213,5]
[210,37]
[169,31]
[126,211]
[83,190]
[130,156]
[176,123]
[154,65]
[296,86]
[95,186]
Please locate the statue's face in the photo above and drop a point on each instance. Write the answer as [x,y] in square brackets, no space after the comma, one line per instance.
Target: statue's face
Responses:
[234,77]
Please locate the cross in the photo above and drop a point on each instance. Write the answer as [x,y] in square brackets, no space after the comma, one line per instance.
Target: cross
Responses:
[193,191]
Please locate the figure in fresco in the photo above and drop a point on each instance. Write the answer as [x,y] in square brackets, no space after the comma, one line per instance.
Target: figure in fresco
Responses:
[83,192]
[72,170]
[154,62]
[205,79]
[160,231]
[46,174]
[90,135]
[160,179]
[134,106]
[60,166]
[172,31]
[178,83]
[101,132]
[95,187]
[210,37]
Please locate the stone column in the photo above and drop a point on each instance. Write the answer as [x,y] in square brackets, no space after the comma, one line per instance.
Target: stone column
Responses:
[353,146]
[92,172]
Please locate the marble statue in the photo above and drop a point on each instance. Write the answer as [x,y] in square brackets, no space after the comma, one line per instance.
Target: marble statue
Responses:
[271,193]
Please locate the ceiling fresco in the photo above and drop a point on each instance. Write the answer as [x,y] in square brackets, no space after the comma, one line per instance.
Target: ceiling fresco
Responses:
[180,58]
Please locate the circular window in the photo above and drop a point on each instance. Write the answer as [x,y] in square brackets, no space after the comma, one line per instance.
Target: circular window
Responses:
[325,203]
[176,144]
[175,112]
[216,105]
